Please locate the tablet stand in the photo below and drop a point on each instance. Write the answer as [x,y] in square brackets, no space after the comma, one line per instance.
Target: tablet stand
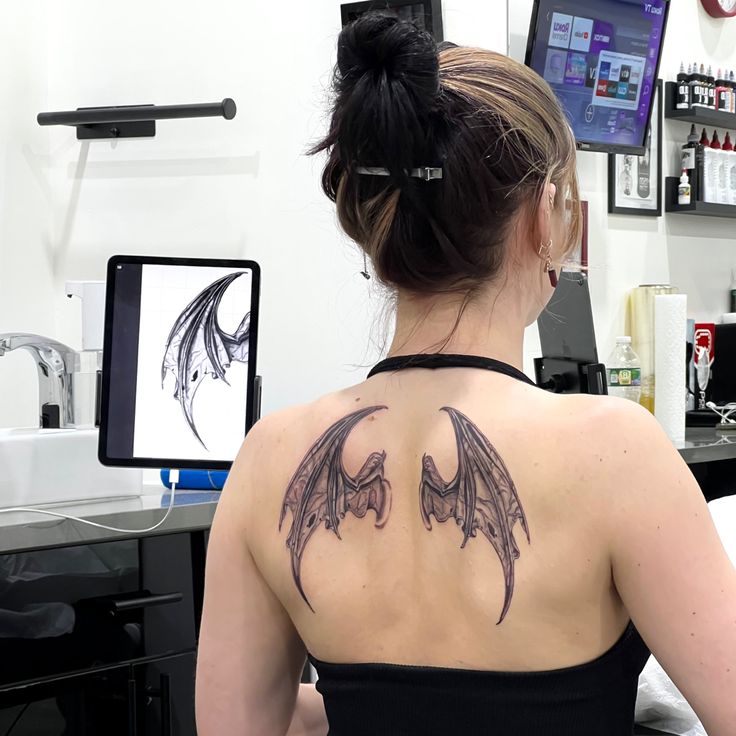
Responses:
[562,376]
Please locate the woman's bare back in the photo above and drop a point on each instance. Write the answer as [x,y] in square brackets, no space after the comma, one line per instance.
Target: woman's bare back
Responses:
[396,579]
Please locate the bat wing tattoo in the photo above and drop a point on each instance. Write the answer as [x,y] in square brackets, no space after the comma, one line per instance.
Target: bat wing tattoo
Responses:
[197,347]
[481,497]
[321,490]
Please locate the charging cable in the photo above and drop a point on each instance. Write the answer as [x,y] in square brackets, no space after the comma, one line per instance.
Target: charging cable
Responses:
[174,479]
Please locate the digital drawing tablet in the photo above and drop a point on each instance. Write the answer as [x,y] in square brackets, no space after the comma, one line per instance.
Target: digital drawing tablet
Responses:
[179,385]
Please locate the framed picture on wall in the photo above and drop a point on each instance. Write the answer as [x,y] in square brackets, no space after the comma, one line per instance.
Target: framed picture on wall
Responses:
[635,182]
[427,14]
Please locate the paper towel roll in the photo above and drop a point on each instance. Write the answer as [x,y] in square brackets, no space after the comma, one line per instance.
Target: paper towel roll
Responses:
[670,333]
[640,326]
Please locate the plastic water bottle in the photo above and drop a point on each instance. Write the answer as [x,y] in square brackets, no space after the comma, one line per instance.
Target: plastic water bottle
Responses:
[624,371]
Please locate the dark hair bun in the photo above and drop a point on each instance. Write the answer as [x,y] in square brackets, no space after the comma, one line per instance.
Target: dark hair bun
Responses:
[387,84]
[381,43]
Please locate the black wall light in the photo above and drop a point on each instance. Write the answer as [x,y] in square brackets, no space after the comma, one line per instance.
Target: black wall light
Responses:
[132,121]
[427,14]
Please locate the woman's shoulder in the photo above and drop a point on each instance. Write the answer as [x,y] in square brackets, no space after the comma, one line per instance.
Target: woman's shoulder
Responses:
[598,416]
[603,439]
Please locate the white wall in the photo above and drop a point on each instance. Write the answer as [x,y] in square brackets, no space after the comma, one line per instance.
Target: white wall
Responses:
[694,254]
[200,187]
[25,197]
[244,188]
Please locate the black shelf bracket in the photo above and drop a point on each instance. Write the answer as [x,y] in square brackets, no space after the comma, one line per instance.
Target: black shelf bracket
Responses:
[132,121]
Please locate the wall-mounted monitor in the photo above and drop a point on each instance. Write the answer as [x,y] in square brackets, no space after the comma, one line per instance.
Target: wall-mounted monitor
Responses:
[427,14]
[601,57]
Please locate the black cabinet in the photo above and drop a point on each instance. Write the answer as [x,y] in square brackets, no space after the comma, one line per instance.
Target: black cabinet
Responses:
[128,700]
[100,638]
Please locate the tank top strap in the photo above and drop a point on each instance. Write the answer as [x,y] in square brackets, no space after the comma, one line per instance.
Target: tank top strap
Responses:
[435,361]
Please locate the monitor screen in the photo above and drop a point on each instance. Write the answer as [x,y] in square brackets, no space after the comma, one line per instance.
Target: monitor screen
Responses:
[601,57]
[179,361]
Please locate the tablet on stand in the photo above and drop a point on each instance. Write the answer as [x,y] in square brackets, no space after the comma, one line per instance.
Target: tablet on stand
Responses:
[569,362]
[179,383]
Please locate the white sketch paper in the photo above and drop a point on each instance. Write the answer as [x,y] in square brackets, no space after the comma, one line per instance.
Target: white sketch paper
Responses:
[192,374]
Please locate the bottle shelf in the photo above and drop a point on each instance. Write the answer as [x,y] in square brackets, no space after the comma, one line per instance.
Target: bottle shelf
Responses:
[696,115]
[702,209]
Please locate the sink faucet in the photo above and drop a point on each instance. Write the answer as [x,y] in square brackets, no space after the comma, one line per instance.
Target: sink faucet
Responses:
[56,364]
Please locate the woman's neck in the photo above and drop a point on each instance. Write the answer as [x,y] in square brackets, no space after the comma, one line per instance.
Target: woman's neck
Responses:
[490,325]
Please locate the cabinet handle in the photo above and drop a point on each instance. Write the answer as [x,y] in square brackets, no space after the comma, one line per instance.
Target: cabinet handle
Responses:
[166,705]
[144,600]
[163,693]
[132,706]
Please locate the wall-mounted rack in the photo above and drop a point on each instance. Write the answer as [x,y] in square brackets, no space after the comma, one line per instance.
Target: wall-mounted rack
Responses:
[697,115]
[696,207]
[132,121]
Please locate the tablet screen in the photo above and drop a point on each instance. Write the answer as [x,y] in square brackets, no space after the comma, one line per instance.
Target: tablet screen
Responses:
[179,361]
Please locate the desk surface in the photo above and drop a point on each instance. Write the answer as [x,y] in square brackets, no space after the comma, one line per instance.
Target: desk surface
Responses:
[707,445]
[192,511]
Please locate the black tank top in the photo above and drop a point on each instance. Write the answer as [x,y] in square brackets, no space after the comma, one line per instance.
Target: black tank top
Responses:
[593,699]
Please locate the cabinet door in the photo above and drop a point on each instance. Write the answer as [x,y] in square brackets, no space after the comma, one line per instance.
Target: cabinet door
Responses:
[167,690]
[152,699]
[88,705]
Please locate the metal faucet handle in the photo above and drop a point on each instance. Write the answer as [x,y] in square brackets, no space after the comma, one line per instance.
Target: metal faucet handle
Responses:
[14,340]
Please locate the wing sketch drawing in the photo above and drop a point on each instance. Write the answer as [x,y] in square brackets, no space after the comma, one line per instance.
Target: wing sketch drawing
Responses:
[322,491]
[481,497]
[197,347]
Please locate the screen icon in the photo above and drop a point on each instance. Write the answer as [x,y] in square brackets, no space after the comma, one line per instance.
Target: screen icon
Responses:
[561,30]
[582,35]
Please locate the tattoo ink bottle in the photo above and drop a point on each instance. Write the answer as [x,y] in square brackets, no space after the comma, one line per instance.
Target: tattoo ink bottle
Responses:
[683,88]
[690,160]
[684,191]
[730,169]
[689,150]
[712,162]
[723,98]
[703,86]
[711,89]
[695,88]
[702,161]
